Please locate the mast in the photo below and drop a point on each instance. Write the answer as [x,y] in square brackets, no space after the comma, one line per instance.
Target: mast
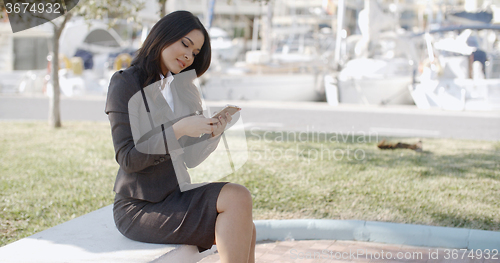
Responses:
[340,25]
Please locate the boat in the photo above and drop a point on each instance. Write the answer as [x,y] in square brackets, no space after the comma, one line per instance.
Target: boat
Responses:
[267,87]
[376,67]
[94,44]
[292,71]
[453,76]
[223,47]
[380,79]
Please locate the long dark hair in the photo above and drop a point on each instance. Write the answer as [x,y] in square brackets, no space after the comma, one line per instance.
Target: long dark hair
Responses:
[165,32]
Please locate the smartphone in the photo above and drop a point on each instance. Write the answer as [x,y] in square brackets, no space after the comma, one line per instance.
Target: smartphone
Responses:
[231,109]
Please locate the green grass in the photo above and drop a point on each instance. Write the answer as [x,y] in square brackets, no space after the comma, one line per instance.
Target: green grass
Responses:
[49,176]
[452,183]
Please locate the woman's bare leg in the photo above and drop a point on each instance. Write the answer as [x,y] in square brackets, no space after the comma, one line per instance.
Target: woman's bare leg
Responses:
[251,256]
[234,227]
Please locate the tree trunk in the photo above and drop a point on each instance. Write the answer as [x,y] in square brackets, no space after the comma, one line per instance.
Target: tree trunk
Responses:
[54,108]
[162,8]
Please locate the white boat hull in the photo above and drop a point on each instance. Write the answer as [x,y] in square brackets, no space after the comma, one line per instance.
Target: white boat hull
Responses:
[457,94]
[370,91]
[269,87]
[371,81]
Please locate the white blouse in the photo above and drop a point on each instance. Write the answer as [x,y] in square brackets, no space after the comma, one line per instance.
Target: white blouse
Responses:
[166,91]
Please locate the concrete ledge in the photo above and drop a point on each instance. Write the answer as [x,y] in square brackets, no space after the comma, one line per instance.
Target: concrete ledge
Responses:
[93,238]
[480,239]
[380,232]
[417,235]
[308,229]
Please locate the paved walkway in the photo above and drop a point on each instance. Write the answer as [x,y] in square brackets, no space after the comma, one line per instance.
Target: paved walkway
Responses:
[323,251]
[313,117]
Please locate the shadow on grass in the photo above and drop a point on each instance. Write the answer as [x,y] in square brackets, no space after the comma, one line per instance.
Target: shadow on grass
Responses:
[472,222]
[429,164]
[496,146]
[439,186]
[462,164]
[441,217]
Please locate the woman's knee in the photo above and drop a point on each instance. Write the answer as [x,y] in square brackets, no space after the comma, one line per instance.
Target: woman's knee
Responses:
[234,195]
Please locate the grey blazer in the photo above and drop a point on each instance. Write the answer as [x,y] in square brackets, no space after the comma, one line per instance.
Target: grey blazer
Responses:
[146,169]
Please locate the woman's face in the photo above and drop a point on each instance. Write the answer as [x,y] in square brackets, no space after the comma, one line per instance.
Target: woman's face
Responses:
[181,53]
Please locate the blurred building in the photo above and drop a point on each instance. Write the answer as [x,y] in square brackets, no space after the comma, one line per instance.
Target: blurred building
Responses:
[24,50]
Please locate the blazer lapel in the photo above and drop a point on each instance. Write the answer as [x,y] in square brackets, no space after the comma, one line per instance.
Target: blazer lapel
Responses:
[181,110]
[160,110]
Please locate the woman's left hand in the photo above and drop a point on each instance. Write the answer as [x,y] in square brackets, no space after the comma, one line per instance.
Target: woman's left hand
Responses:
[221,125]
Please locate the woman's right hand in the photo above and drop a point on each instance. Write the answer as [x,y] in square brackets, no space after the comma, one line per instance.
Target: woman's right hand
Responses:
[194,126]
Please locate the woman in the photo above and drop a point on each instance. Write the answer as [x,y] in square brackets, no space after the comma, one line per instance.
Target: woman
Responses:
[149,205]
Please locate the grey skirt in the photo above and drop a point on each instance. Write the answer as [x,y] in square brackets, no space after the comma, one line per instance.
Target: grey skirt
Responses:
[181,218]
